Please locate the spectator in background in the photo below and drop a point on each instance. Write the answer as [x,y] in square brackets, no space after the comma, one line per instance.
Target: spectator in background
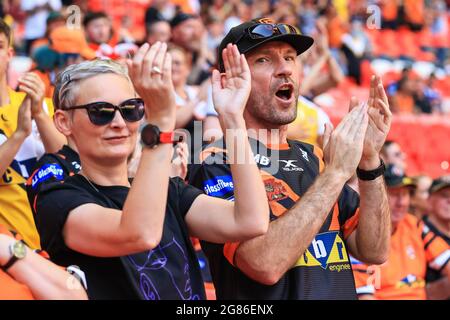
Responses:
[336,29]
[413,248]
[37,12]
[308,17]
[285,11]
[216,9]
[392,87]
[403,99]
[158,30]
[309,126]
[422,97]
[215,29]
[29,275]
[103,39]
[432,96]
[419,197]
[54,20]
[67,46]
[392,153]
[438,220]
[98,29]
[160,10]
[189,99]
[189,33]
[26,132]
[241,11]
[320,70]
[356,47]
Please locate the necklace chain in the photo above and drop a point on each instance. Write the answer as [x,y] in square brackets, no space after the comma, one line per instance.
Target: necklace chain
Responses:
[89,181]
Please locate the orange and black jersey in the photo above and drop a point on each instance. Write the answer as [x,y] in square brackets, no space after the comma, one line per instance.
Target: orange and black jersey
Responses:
[433,275]
[324,270]
[414,248]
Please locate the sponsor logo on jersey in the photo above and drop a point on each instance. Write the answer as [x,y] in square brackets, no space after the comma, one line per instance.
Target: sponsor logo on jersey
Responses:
[411,281]
[76,165]
[327,251]
[289,165]
[218,186]
[304,154]
[46,172]
[262,160]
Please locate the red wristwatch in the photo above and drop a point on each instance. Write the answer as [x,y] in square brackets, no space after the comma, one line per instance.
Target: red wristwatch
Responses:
[151,136]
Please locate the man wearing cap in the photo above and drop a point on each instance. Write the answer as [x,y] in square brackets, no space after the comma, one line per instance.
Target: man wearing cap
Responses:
[315,218]
[26,132]
[438,220]
[414,248]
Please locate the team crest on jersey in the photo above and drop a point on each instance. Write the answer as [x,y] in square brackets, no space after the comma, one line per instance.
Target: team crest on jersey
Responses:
[275,190]
[328,251]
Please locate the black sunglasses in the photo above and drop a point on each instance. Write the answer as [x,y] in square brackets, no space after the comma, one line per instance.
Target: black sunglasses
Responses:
[101,113]
[266,30]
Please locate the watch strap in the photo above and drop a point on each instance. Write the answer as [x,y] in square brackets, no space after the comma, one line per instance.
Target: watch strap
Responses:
[166,137]
[10,263]
[368,175]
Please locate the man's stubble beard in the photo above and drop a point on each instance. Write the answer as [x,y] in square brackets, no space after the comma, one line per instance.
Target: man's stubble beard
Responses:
[261,108]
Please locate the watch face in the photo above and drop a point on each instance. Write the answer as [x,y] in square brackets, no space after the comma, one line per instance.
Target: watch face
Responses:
[20,249]
[150,135]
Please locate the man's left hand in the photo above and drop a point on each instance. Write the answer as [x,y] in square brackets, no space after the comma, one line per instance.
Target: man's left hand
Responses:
[380,118]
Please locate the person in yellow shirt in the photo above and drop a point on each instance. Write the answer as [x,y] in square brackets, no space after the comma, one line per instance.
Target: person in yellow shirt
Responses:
[309,126]
[26,133]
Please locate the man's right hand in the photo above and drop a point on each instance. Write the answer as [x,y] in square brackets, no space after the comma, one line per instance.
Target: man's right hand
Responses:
[231,89]
[343,146]
[24,119]
[151,74]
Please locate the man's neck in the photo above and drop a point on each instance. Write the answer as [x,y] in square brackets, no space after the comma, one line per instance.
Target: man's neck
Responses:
[4,96]
[264,132]
[112,175]
[442,225]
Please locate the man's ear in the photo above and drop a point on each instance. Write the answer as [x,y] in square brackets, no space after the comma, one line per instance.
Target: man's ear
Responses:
[63,122]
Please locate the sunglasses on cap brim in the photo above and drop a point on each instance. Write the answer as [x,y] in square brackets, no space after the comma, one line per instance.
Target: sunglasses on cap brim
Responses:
[102,113]
[267,30]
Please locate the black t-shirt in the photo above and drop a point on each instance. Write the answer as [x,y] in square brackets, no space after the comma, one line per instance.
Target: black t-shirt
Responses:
[52,167]
[170,271]
[324,270]
[433,275]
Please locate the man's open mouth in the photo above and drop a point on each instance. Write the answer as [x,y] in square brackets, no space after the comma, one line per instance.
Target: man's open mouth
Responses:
[285,91]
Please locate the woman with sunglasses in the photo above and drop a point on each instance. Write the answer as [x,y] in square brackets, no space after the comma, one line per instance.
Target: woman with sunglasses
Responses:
[132,239]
